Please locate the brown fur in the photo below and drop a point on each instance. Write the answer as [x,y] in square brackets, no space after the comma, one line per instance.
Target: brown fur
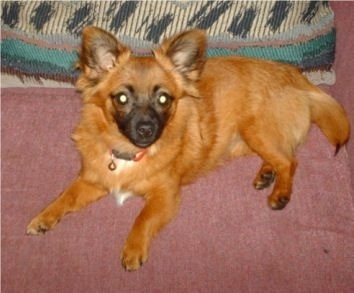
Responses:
[223,108]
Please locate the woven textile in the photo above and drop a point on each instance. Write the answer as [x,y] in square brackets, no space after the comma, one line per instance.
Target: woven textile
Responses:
[40,38]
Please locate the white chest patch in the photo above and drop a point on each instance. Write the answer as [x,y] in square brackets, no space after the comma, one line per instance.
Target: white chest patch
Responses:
[121,196]
[120,165]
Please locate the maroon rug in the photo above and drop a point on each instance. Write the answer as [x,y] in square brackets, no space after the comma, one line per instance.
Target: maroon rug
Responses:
[225,238]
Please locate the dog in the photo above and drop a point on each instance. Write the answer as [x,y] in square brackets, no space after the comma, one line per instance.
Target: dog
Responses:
[152,124]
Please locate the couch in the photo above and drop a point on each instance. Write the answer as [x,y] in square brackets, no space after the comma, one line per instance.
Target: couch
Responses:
[225,238]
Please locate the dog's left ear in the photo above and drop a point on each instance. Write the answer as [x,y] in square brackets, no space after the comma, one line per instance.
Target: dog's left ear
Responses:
[186,51]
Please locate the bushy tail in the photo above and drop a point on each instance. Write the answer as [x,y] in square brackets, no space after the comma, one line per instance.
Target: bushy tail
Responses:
[330,117]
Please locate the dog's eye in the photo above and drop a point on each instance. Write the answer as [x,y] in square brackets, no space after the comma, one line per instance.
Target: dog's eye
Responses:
[122,99]
[163,99]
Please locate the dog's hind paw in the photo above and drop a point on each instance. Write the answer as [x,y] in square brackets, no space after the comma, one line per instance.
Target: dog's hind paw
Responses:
[278,203]
[264,180]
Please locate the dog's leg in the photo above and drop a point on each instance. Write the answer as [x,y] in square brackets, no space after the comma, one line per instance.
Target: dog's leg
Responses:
[159,209]
[285,169]
[75,197]
[279,159]
[265,176]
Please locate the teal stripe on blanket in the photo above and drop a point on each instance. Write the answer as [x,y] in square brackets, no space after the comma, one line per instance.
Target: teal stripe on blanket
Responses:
[294,53]
[29,58]
[32,53]
[34,66]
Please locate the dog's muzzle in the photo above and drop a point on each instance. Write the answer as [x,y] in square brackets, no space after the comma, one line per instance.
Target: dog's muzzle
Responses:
[142,128]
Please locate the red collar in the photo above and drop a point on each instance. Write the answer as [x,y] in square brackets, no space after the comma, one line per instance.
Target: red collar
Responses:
[115,154]
[128,156]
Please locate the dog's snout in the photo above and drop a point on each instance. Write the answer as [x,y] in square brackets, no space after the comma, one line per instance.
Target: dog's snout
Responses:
[145,129]
[142,126]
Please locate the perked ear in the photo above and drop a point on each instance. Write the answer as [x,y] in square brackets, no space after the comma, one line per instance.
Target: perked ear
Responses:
[186,51]
[100,52]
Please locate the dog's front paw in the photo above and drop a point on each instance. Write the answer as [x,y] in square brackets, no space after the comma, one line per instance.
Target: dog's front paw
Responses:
[40,224]
[134,256]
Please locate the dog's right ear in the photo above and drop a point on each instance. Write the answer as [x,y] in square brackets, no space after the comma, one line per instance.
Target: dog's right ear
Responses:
[100,52]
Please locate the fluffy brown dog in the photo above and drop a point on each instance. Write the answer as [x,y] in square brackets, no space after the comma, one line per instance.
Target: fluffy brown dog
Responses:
[152,124]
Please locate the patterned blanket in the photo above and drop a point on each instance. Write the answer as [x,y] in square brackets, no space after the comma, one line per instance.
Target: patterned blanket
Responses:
[40,39]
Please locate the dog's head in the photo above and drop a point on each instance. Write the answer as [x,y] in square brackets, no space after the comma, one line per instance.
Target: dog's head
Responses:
[139,94]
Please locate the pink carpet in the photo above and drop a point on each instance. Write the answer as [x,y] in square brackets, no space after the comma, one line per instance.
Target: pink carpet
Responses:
[225,238]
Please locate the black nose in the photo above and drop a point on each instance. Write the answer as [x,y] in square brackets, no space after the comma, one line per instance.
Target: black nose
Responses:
[145,129]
